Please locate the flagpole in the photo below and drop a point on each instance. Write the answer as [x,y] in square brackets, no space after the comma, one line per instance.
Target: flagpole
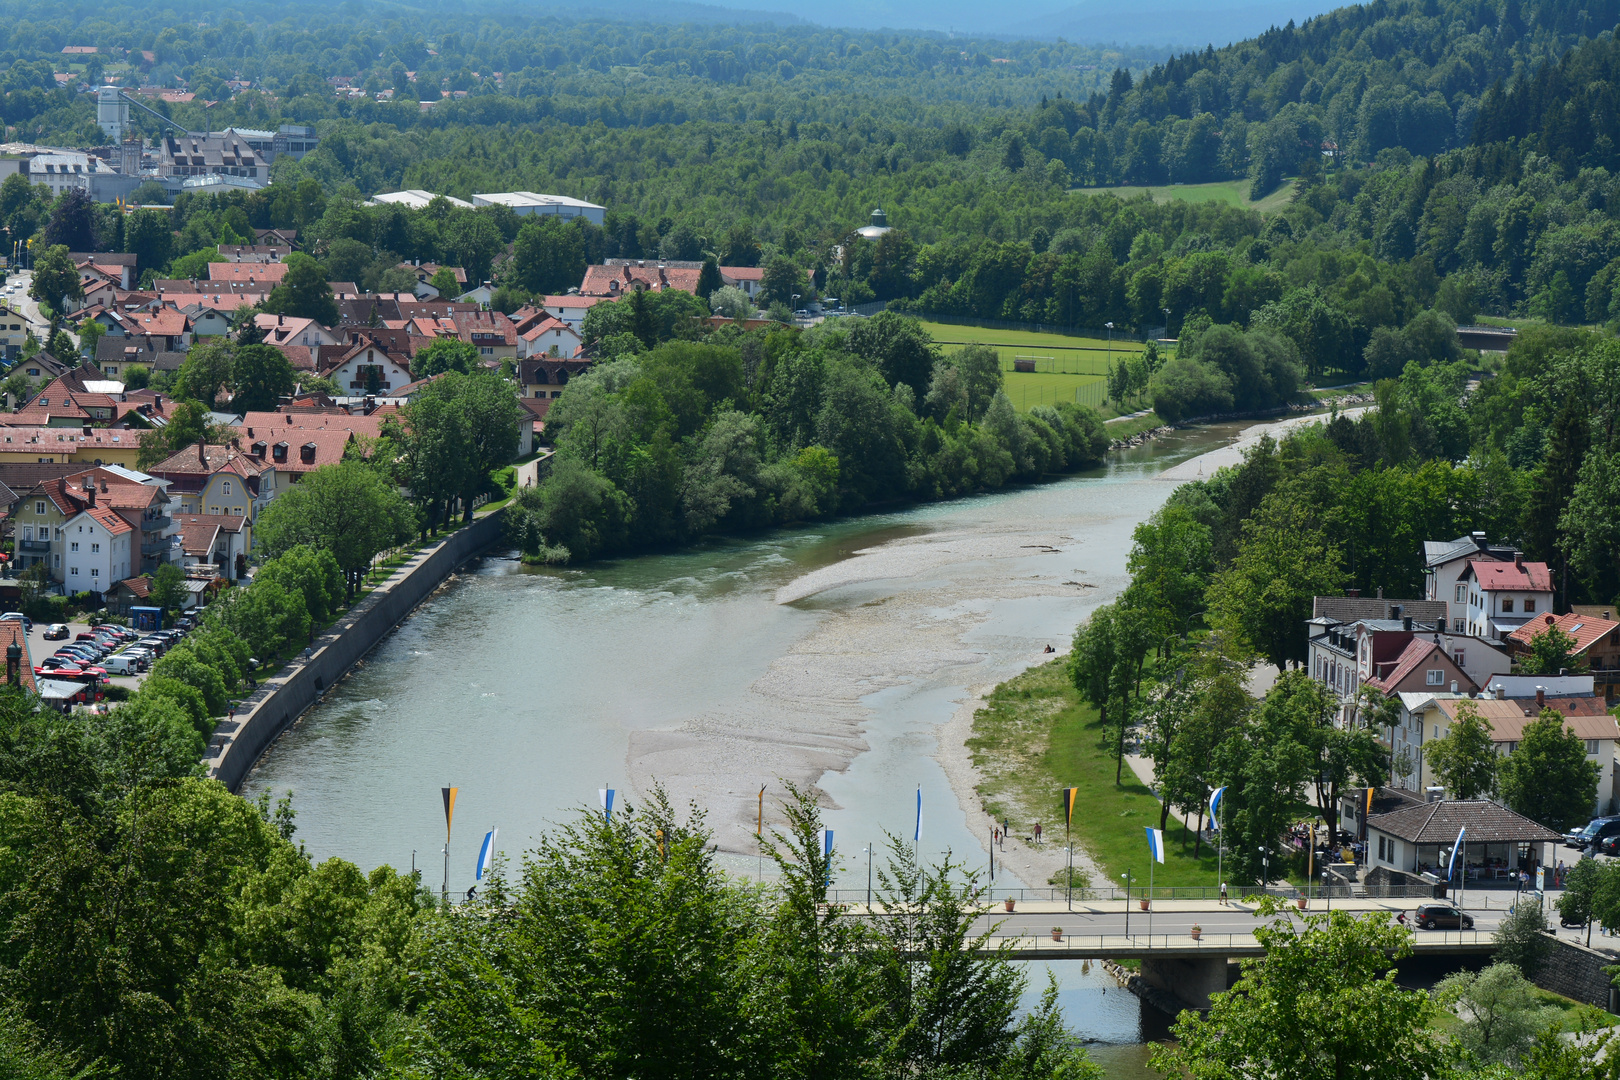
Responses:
[1151,861]
[759,835]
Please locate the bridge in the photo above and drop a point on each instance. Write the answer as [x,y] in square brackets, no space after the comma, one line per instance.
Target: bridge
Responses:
[1172,959]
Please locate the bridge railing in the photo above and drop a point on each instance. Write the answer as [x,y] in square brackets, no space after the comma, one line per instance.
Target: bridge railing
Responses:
[1477,895]
[1031,941]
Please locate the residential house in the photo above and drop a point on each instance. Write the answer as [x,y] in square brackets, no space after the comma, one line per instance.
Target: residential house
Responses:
[1597,642]
[211,478]
[1334,646]
[425,273]
[166,329]
[617,277]
[42,366]
[544,377]
[491,332]
[1445,561]
[746,278]
[250,274]
[219,540]
[254,253]
[116,267]
[99,549]
[1426,717]
[367,366]
[206,320]
[115,355]
[84,446]
[540,333]
[129,593]
[282,330]
[13,331]
[1502,596]
[42,513]
[570,309]
[1497,842]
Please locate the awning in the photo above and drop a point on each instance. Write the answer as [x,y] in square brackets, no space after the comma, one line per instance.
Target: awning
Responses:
[1506,627]
[59,689]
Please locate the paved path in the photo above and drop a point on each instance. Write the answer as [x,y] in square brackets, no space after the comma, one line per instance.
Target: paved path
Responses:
[528,473]
[1205,465]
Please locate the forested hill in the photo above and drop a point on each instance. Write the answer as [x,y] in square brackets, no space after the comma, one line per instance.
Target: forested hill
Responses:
[1366,78]
[1568,111]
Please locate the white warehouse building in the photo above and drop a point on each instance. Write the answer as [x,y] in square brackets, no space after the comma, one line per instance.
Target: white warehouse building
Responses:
[525,203]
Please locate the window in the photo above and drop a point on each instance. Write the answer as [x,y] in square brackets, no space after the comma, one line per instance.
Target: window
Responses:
[95,549]
[95,572]
[225,488]
[1460,655]
[1434,677]
[1529,606]
[74,570]
[1591,747]
[1507,603]
[1461,592]
[74,546]
[39,507]
[1457,625]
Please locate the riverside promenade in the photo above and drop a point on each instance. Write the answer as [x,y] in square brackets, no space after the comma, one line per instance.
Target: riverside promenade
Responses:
[240,741]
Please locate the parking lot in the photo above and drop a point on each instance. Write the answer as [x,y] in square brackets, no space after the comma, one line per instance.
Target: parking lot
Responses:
[39,648]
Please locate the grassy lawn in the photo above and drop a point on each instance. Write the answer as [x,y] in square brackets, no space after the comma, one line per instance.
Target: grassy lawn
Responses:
[1124,429]
[1035,737]
[1230,192]
[1568,1015]
[1067,366]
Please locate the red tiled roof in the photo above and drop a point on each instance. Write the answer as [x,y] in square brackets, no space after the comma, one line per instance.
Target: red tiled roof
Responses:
[1508,717]
[258,273]
[1414,657]
[600,280]
[164,322]
[1512,577]
[108,519]
[1585,629]
[261,425]
[139,587]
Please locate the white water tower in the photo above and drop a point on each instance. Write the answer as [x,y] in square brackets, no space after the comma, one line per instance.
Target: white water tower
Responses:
[112,113]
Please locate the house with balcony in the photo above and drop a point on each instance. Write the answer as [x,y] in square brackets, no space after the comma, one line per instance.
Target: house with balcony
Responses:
[1426,717]
[1445,561]
[221,541]
[1596,638]
[214,479]
[40,518]
[1503,596]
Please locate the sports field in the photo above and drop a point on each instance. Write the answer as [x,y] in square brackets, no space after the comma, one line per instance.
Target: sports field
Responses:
[1230,192]
[1067,367]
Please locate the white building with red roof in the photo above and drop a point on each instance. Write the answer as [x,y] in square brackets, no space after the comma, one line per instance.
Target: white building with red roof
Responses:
[98,550]
[1502,596]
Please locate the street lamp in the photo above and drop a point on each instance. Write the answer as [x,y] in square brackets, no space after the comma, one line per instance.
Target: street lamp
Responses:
[795,304]
[1127,876]
[1110,344]
[1265,869]
[1327,896]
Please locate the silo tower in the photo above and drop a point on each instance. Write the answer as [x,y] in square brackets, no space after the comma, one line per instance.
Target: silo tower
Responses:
[112,113]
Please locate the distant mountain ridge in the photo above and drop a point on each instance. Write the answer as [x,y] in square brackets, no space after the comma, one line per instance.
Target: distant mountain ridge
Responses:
[1182,26]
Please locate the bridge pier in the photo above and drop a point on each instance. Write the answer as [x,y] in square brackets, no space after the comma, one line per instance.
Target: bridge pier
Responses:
[1192,981]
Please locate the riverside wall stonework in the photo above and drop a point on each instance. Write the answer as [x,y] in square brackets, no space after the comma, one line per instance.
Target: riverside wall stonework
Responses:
[1577,972]
[234,753]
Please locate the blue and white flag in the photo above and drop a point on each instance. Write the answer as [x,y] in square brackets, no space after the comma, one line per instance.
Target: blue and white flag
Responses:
[1455,848]
[1155,843]
[1215,805]
[606,794]
[826,842]
[485,854]
[916,834]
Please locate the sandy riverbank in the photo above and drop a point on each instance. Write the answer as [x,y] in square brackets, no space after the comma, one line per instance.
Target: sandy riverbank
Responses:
[911,632]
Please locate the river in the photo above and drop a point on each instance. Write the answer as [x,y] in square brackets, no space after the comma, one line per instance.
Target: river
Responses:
[832,655]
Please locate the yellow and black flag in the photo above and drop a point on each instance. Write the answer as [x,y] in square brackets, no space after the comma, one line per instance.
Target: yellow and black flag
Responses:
[1069,795]
[449,809]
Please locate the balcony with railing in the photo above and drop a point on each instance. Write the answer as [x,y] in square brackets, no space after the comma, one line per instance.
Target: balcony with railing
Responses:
[34,545]
[156,524]
[155,548]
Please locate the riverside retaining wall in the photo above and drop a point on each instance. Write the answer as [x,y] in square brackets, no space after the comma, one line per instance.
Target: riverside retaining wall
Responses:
[238,745]
[1577,972]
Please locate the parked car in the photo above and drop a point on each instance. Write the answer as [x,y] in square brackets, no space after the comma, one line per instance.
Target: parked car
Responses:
[28,624]
[1441,917]
[52,662]
[1609,845]
[56,632]
[124,664]
[1595,831]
